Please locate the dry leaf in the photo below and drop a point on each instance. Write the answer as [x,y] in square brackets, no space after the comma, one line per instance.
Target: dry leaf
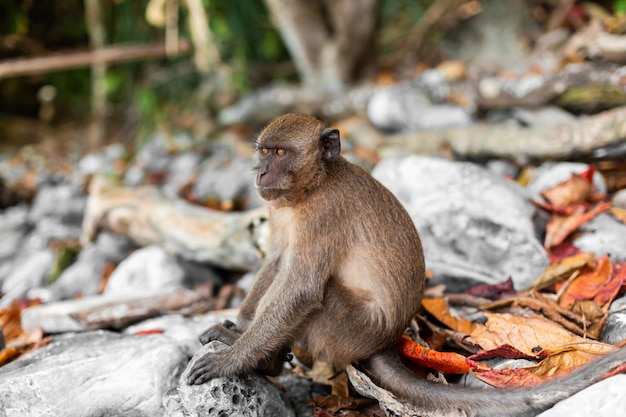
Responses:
[504,351]
[509,378]
[448,362]
[576,189]
[619,214]
[439,309]
[588,284]
[562,269]
[493,291]
[334,405]
[560,227]
[562,251]
[530,334]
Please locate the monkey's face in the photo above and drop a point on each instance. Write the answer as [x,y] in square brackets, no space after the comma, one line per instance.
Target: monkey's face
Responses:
[273,171]
[291,157]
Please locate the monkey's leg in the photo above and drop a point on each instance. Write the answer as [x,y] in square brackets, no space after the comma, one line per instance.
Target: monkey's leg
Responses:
[283,313]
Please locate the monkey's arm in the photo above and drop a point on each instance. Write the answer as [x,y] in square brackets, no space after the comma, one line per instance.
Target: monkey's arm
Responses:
[229,332]
[296,292]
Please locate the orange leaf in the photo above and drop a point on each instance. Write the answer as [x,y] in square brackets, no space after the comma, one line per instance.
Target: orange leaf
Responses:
[588,284]
[448,362]
[608,292]
[560,227]
[576,189]
[439,309]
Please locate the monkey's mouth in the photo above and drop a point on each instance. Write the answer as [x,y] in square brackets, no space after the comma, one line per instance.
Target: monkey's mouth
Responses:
[271,193]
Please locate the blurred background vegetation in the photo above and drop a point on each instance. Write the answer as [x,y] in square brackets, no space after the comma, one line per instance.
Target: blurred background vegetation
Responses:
[148,89]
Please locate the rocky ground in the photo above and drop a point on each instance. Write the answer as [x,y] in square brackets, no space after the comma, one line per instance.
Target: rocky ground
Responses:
[114,312]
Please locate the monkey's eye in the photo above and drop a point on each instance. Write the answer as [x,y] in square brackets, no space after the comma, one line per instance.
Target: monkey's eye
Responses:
[265,151]
[280,152]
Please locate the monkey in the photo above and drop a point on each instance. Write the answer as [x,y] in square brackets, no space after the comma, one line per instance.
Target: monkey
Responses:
[343,278]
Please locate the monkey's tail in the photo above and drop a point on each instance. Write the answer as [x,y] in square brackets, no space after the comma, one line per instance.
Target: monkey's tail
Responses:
[453,400]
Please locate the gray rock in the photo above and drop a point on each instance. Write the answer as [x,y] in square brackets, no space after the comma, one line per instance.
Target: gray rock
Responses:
[81,277]
[104,162]
[182,169]
[146,269]
[114,248]
[30,270]
[225,179]
[47,230]
[615,327]
[92,374]
[603,399]
[404,107]
[13,230]
[63,202]
[151,269]
[603,235]
[619,199]
[185,330]
[473,224]
[248,395]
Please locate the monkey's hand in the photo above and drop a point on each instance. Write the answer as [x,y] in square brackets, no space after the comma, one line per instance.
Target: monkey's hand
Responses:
[212,365]
[226,333]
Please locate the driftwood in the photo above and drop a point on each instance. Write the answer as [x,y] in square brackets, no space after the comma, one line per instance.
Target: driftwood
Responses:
[546,141]
[99,312]
[63,61]
[228,240]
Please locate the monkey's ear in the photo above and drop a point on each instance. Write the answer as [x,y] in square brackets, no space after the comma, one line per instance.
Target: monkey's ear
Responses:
[330,142]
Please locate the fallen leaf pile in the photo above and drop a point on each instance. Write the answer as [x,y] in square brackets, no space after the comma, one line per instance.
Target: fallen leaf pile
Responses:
[555,324]
[16,341]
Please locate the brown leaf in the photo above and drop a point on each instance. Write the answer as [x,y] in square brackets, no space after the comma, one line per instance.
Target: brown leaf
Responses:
[619,214]
[438,307]
[576,189]
[560,363]
[560,227]
[563,269]
[530,334]
[509,378]
[334,405]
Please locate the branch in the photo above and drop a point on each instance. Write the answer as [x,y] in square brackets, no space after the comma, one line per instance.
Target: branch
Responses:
[228,240]
[580,137]
[69,60]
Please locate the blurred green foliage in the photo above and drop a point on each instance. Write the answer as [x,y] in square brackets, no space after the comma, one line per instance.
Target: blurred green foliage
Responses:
[247,40]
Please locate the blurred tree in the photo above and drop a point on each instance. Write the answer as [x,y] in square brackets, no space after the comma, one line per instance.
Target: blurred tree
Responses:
[330,42]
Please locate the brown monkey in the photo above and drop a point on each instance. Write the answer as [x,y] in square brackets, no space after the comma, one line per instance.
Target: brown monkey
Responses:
[343,279]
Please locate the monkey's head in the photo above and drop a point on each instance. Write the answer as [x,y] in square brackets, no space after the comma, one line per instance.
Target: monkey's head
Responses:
[291,157]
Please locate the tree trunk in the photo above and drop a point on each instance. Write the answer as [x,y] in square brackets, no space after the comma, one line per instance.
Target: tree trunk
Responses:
[328,45]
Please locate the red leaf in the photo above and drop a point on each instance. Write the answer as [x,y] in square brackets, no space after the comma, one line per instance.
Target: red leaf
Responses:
[503,351]
[493,291]
[149,332]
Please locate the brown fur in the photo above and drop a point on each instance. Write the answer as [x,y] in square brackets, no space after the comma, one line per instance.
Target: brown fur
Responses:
[343,279]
